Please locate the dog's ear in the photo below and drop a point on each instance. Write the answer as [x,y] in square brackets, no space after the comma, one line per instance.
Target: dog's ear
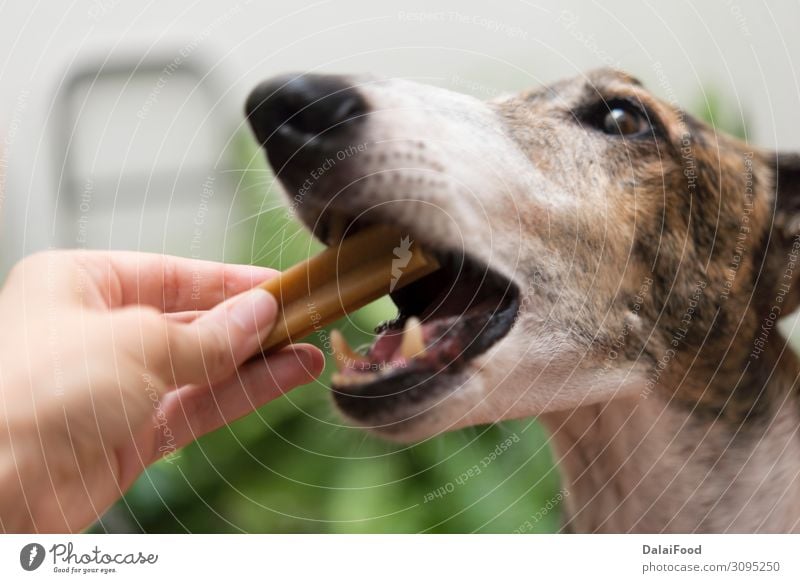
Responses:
[787,195]
[781,268]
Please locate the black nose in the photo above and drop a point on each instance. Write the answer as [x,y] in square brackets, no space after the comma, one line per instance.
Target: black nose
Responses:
[289,111]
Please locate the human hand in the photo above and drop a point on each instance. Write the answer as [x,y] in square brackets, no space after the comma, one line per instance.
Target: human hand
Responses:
[109,361]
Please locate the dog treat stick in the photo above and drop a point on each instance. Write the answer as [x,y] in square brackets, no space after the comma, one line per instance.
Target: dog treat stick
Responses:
[341,279]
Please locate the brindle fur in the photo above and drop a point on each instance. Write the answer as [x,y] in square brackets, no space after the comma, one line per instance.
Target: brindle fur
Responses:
[715,447]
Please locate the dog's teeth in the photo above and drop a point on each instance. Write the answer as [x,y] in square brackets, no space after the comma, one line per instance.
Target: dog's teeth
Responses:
[413,344]
[343,380]
[343,355]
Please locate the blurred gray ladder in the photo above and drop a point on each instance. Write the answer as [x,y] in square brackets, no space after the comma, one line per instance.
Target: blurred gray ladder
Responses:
[133,154]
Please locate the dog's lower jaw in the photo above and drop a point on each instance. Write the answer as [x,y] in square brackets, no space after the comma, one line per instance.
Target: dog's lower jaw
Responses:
[645,465]
[453,409]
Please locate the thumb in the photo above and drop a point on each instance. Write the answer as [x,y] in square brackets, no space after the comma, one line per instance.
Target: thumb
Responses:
[214,345]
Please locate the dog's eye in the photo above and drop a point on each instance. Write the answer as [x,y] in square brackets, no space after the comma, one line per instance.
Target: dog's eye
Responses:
[624,119]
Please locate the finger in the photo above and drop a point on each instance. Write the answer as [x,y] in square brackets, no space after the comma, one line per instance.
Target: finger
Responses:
[216,343]
[195,410]
[168,283]
[184,317]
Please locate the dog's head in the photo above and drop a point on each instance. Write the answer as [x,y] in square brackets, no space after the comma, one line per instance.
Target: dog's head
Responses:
[596,242]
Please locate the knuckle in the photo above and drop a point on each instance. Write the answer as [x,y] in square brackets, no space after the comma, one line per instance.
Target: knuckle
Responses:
[41,257]
[143,320]
[57,265]
[32,263]
[144,331]
[171,280]
[216,352]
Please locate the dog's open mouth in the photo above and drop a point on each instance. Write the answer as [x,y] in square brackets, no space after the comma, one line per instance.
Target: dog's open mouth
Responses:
[444,320]
[348,167]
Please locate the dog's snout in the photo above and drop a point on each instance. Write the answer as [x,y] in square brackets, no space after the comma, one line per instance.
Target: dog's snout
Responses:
[291,111]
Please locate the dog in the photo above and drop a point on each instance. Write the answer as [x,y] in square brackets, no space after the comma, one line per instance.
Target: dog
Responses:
[609,264]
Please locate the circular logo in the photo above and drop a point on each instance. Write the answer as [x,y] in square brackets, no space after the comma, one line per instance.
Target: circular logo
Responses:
[31,556]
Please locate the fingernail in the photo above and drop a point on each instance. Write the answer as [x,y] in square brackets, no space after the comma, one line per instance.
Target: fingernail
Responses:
[253,311]
[310,358]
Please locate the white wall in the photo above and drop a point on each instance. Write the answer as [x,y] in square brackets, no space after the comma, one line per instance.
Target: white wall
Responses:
[743,48]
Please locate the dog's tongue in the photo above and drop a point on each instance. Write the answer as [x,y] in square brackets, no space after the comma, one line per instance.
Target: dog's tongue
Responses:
[386,346]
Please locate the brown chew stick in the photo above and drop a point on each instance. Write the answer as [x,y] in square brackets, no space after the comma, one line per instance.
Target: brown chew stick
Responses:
[341,279]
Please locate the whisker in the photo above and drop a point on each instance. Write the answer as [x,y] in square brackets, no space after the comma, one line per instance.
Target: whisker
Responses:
[286,241]
[231,170]
[256,215]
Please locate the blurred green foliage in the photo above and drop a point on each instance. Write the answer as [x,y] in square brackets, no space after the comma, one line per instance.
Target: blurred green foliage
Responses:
[716,110]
